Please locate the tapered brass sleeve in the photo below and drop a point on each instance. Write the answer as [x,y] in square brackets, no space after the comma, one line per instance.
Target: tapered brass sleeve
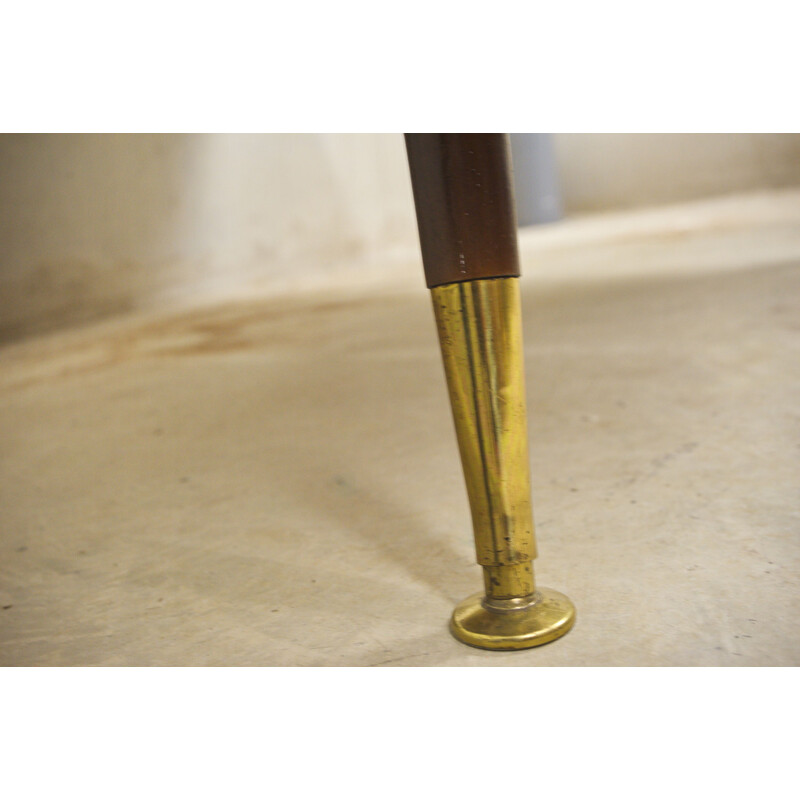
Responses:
[480,333]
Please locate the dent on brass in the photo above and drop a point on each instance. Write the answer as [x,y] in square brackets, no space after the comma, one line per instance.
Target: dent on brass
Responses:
[468,238]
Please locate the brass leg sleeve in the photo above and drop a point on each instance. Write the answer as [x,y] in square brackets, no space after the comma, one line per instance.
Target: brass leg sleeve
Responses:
[480,332]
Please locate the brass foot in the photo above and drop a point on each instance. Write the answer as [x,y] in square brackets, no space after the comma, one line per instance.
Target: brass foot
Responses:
[481,622]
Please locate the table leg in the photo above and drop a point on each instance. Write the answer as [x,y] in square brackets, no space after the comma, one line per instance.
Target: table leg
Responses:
[465,212]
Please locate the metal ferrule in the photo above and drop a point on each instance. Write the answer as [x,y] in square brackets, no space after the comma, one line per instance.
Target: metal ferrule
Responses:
[480,333]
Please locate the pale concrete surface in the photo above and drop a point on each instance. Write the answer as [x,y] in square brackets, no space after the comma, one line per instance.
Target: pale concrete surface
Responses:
[276,481]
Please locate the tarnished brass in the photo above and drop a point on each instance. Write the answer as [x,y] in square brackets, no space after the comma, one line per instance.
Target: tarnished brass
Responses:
[480,331]
[546,616]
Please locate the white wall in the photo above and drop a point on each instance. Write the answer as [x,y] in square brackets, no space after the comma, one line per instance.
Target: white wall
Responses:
[600,171]
[94,224]
[91,225]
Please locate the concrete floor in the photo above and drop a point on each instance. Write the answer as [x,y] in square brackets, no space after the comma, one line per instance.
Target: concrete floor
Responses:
[276,481]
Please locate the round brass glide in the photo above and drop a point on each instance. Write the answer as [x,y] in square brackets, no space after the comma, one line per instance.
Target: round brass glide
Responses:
[478,623]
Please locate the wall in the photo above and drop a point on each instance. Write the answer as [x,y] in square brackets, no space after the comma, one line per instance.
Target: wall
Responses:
[600,171]
[96,224]
[92,225]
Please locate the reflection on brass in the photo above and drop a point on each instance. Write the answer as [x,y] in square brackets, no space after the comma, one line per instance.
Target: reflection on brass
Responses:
[480,332]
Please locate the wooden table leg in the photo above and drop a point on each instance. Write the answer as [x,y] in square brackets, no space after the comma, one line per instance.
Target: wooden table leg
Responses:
[464,200]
